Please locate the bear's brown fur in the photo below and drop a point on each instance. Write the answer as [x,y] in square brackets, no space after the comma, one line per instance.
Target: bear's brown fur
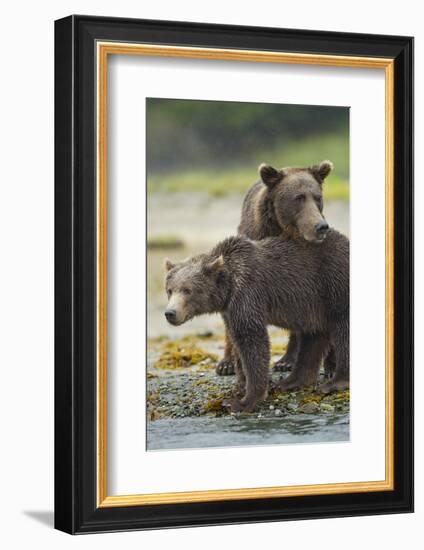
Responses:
[286,203]
[256,283]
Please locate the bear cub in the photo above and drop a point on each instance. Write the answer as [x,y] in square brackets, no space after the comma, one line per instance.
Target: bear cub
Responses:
[254,284]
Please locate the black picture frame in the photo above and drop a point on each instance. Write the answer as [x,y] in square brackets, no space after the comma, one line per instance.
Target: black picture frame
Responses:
[76,510]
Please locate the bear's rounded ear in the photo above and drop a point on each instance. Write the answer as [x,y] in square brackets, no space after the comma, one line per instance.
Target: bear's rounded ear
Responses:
[168,264]
[270,175]
[321,171]
[216,265]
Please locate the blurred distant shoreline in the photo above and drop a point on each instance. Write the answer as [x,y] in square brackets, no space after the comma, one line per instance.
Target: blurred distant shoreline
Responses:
[221,183]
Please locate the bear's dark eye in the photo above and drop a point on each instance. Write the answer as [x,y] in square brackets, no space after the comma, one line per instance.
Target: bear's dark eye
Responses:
[186,291]
[169,292]
[300,197]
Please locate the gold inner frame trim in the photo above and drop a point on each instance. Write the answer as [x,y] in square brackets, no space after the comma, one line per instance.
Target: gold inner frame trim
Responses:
[104,49]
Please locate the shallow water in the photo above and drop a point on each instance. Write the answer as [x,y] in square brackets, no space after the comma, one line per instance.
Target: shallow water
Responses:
[231,431]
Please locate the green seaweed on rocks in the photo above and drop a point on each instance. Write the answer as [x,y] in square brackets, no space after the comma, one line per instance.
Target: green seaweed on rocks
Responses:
[311,398]
[178,355]
[340,396]
[165,241]
[278,349]
[214,406]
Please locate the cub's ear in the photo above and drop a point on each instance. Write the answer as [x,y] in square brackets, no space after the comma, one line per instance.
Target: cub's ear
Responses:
[321,171]
[168,264]
[270,175]
[215,265]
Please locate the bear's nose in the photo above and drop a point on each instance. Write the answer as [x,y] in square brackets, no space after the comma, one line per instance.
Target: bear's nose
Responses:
[321,227]
[170,315]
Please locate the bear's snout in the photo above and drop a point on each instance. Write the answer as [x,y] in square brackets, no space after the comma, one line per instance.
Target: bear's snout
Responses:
[171,316]
[321,229]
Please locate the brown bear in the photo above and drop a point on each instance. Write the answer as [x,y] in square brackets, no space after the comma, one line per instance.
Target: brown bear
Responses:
[278,282]
[286,203]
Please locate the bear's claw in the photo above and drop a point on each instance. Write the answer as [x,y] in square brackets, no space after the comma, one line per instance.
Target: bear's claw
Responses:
[289,384]
[283,365]
[239,405]
[333,386]
[234,405]
[225,368]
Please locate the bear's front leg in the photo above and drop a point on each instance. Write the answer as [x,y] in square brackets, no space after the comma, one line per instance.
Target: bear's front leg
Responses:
[226,366]
[241,378]
[251,342]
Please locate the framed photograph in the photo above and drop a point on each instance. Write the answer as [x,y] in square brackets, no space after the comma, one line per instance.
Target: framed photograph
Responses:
[234,274]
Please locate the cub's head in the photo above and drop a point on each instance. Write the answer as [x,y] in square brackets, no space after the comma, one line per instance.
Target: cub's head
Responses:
[194,287]
[296,198]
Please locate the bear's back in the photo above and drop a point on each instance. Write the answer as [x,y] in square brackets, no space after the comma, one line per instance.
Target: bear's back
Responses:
[307,270]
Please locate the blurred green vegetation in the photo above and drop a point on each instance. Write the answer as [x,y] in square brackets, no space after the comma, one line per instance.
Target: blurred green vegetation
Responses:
[219,184]
[216,147]
[165,241]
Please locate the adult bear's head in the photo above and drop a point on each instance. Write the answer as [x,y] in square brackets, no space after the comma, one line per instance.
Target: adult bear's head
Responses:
[296,198]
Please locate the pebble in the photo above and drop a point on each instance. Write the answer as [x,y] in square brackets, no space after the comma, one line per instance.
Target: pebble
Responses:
[327,407]
[309,408]
[277,412]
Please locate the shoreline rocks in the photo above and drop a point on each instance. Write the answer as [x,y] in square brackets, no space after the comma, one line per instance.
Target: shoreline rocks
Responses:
[181,382]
